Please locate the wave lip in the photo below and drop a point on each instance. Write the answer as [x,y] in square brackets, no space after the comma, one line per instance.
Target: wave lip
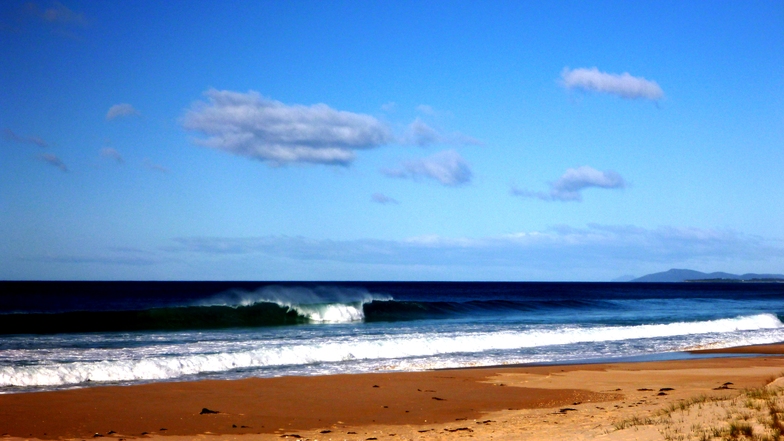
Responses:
[331,313]
[320,304]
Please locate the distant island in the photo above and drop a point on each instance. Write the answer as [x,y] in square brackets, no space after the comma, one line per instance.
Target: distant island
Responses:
[687,275]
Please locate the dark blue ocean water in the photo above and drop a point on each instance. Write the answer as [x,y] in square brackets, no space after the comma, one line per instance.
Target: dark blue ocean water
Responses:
[76,334]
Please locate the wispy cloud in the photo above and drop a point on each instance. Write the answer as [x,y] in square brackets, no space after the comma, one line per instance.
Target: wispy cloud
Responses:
[585,251]
[383,199]
[570,185]
[121,110]
[59,13]
[446,167]
[56,14]
[389,107]
[113,154]
[57,18]
[111,256]
[421,134]
[53,160]
[153,166]
[246,124]
[9,135]
[425,109]
[623,85]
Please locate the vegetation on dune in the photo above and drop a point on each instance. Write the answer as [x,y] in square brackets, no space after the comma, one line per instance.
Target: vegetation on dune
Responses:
[752,415]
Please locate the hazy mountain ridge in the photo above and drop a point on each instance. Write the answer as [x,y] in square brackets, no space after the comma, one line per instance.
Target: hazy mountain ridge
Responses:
[682,275]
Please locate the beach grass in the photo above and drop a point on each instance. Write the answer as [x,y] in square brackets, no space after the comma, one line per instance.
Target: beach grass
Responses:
[755,414]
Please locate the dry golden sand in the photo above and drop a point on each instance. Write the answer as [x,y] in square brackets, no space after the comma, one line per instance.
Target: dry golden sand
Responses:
[686,399]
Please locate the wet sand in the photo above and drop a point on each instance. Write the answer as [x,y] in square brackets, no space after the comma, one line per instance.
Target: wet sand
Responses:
[777,348]
[534,402]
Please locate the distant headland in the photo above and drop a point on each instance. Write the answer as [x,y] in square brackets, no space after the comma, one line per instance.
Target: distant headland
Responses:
[687,275]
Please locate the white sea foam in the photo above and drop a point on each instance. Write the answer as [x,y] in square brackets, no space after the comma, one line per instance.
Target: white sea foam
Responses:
[403,350]
[321,304]
[331,313]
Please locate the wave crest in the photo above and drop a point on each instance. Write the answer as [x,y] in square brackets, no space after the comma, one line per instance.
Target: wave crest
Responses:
[319,304]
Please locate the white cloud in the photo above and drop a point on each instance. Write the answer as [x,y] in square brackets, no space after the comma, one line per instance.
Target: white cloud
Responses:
[575,180]
[447,167]
[246,124]
[121,110]
[383,199]
[111,153]
[623,85]
[54,161]
[9,135]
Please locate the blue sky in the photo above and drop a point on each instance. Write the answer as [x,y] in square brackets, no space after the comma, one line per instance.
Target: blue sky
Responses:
[390,140]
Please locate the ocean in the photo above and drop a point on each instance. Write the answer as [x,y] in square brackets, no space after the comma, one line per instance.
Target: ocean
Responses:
[56,335]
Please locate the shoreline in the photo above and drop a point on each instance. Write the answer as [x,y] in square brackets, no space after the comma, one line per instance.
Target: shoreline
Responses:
[453,403]
[763,349]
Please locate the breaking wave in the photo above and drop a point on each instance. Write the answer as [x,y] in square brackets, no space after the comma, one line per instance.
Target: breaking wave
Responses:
[410,349]
[270,306]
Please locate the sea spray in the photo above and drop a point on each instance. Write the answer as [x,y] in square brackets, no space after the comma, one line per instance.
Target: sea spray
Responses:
[320,304]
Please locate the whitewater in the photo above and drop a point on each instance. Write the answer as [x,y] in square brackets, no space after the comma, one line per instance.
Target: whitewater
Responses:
[132,333]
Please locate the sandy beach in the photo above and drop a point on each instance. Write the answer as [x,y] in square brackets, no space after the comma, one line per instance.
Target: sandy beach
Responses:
[568,402]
